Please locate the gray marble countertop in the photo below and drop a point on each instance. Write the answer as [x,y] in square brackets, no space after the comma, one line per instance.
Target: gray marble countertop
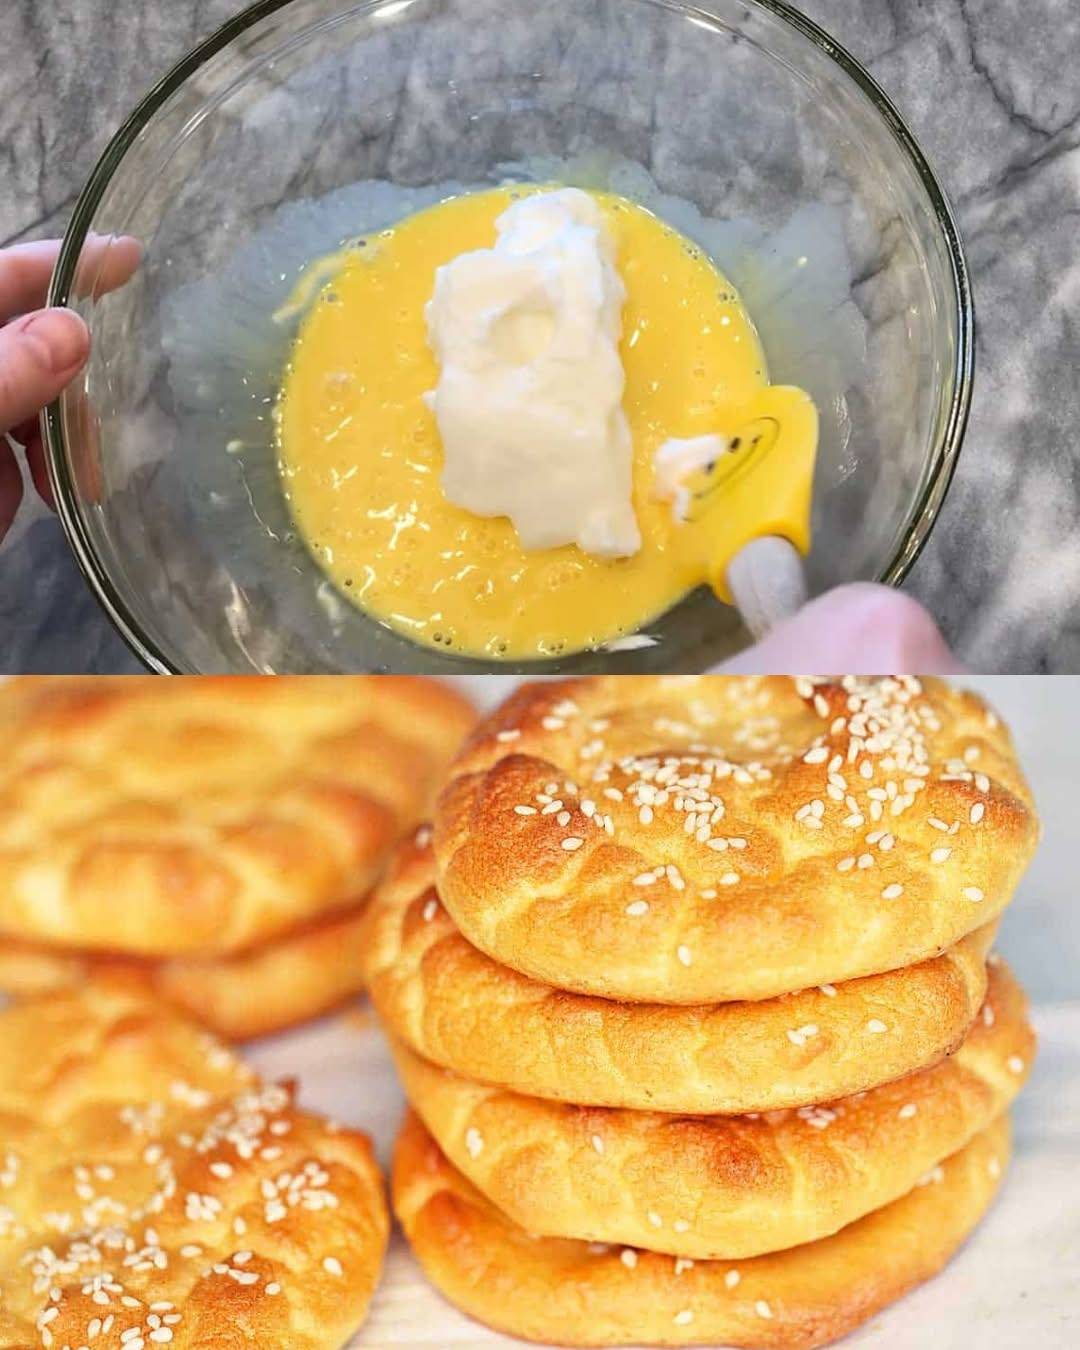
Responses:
[989,88]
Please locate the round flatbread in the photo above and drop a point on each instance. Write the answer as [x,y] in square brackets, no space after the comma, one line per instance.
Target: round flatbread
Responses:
[689,840]
[460,1009]
[258,992]
[206,816]
[576,1293]
[722,1186]
[154,1192]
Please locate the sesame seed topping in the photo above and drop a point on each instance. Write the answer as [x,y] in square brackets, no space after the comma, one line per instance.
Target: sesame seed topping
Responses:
[893,891]
[987,1015]
[636,908]
[272,1288]
[829,990]
[474,1141]
[1015,1064]
[845,864]
[628,1257]
[973,894]
[685,955]
[683,1263]
[729,879]
[940,855]
[762,1308]
[525,810]
[681,1226]
[976,813]
[655,1219]
[510,734]
[907,1111]
[598,1143]
[684,1318]
[732,1278]
[876,1026]
[431,908]
[572,843]
[332,1266]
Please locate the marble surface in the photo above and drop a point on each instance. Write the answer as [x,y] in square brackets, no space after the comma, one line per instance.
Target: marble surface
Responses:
[989,88]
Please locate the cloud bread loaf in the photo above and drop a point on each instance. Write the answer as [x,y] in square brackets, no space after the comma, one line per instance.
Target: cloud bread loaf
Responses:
[577,1293]
[252,993]
[701,839]
[722,1186]
[460,1009]
[205,816]
[154,1192]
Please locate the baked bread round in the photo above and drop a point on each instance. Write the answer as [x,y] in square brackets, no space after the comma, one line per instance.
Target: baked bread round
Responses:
[173,817]
[460,1009]
[302,975]
[722,1186]
[711,838]
[577,1293]
[154,1192]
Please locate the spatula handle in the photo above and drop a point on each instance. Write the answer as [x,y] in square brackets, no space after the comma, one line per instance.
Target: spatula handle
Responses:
[767,581]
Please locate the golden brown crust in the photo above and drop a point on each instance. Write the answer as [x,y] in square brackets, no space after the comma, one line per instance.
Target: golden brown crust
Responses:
[702,839]
[150,1181]
[576,1293]
[722,1186]
[458,1008]
[204,816]
[297,977]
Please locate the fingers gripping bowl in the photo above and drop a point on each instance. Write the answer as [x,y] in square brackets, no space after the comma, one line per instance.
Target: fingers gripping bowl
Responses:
[305,122]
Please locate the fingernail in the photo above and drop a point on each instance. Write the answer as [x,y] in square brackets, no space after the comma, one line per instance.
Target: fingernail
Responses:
[60,337]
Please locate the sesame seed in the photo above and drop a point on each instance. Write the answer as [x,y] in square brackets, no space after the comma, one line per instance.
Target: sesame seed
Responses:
[525,810]
[817,755]
[332,1266]
[940,855]
[683,1263]
[636,908]
[655,1219]
[431,908]
[987,1015]
[893,891]
[474,1141]
[829,990]
[598,1143]
[972,893]
[221,1169]
[628,1257]
[729,879]
[1015,1064]
[865,860]
[976,813]
[272,1288]
[762,1308]
[845,864]
[876,1026]
[571,843]
[684,1318]
[907,1111]
[732,1278]
[563,818]
[510,734]
[684,954]
[645,815]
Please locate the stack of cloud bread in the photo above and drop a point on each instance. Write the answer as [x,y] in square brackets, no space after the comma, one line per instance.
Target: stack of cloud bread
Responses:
[692,1004]
[153,1192]
[215,840]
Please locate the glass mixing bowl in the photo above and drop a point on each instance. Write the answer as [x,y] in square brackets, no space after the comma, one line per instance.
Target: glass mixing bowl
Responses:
[303,122]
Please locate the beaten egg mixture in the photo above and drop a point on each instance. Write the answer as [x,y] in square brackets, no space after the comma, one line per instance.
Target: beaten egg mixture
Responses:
[360,454]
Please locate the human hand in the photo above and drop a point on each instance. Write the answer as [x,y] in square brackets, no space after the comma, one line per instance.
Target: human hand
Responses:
[43,350]
[861,629]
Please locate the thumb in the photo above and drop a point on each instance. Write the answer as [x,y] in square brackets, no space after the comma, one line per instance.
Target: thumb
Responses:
[39,355]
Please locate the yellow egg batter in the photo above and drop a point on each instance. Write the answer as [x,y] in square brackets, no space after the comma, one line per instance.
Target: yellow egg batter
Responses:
[360,455]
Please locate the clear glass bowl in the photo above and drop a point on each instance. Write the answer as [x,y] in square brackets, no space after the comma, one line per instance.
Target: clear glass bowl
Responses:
[739,119]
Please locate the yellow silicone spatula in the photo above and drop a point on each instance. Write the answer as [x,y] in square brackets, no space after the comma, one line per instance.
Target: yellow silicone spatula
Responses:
[743,496]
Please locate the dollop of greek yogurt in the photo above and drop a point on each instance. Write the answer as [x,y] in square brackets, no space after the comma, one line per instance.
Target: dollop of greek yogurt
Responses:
[529,396]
